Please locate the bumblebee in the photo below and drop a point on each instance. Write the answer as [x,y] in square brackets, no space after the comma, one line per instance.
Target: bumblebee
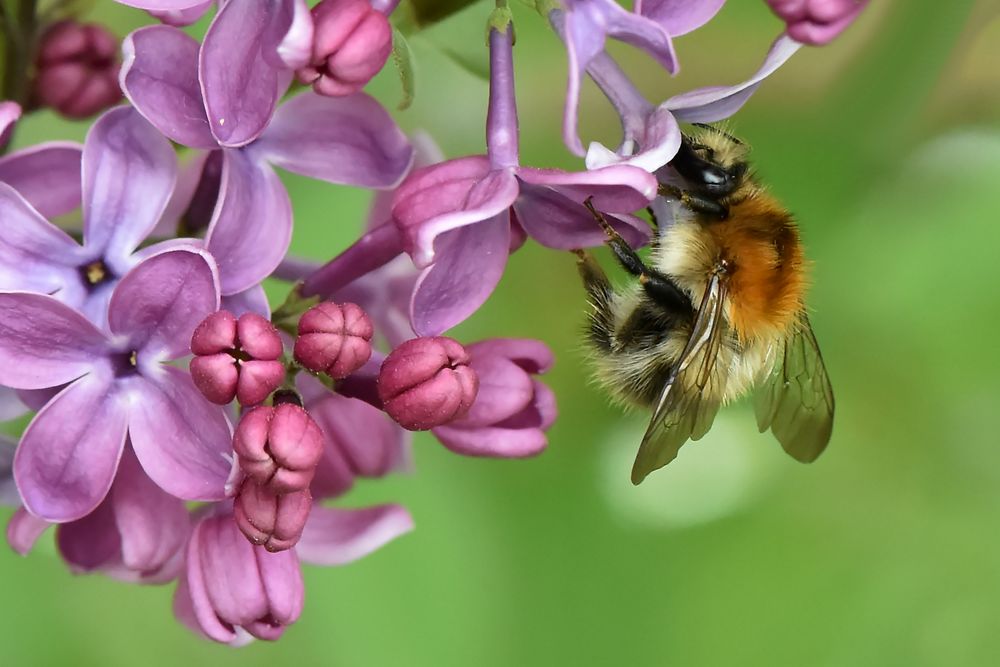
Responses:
[716,312]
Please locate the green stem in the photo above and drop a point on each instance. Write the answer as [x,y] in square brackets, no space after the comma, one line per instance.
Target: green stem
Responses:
[19,49]
[429,12]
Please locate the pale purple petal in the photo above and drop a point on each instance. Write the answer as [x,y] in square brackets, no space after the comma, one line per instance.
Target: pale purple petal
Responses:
[447,196]
[158,304]
[707,105]
[281,575]
[252,300]
[558,222]
[161,5]
[35,255]
[47,175]
[183,17]
[10,112]
[45,343]
[584,40]
[153,524]
[159,76]
[289,38]
[239,87]
[252,225]
[129,171]
[69,453]
[533,356]
[425,153]
[641,33]
[340,536]
[504,390]
[470,263]
[183,441]
[657,145]
[189,178]
[90,543]
[350,140]
[679,17]
[615,189]
[23,531]
[492,441]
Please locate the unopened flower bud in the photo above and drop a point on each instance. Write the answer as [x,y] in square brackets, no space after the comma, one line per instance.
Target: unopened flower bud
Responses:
[816,22]
[77,69]
[334,339]
[351,43]
[236,358]
[273,521]
[427,382]
[279,447]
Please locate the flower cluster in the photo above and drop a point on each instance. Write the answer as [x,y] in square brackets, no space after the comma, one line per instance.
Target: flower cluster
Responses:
[185,432]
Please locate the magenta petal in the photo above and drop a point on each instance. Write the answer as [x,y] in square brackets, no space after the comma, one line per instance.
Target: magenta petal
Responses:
[239,86]
[252,225]
[340,536]
[23,531]
[44,343]
[707,105]
[470,263]
[350,140]
[679,17]
[35,255]
[47,175]
[183,442]
[69,453]
[153,525]
[129,171]
[158,304]
[159,76]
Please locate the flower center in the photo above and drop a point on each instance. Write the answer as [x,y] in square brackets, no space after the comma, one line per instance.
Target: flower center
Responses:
[95,273]
[126,363]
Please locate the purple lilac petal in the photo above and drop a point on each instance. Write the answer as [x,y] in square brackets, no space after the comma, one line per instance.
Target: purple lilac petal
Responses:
[707,105]
[340,536]
[153,524]
[161,5]
[158,304]
[557,222]
[9,496]
[23,531]
[11,407]
[253,300]
[45,343]
[492,441]
[69,453]
[449,196]
[471,262]
[10,112]
[658,142]
[188,179]
[348,140]
[679,17]
[281,575]
[533,356]
[91,542]
[504,390]
[47,175]
[615,189]
[159,76]
[289,37]
[181,439]
[252,225]
[425,153]
[129,171]
[183,17]
[31,249]
[239,87]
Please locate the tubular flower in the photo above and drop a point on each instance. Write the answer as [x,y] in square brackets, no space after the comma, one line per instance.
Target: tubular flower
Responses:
[223,96]
[459,219]
[115,384]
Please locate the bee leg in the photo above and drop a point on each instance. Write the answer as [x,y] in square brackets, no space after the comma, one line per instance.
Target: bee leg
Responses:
[601,319]
[695,202]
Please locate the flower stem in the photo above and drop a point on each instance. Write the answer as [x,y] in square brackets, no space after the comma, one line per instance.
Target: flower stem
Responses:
[373,250]
[19,46]
[428,12]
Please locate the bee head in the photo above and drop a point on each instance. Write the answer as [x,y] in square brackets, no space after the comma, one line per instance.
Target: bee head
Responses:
[712,161]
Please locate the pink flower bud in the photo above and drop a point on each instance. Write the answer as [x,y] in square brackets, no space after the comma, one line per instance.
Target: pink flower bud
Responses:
[816,22]
[236,358]
[77,69]
[427,382]
[351,43]
[334,339]
[269,520]
[279,447]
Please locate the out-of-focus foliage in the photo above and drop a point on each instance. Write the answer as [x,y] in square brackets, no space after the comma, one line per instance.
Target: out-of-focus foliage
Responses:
[886,145]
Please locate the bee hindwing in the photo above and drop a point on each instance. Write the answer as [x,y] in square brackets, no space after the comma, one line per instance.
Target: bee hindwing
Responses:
[689,401]
[795,400]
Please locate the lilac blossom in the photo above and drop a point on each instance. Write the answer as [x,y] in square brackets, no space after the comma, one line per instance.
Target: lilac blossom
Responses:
[223,96]
[679,17]
[460,219]
[115,388]
[128,175]
[651,133]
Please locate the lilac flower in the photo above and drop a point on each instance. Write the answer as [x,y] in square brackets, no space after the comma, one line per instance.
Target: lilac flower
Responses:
[223,97]
[679,17]
[128,175]
[652,135]
[512,410]
[136,534]
[817,22]
[116,386]
[232,591]
[459,219]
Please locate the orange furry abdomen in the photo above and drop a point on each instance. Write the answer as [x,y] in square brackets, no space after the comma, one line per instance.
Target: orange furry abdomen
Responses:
[767,280]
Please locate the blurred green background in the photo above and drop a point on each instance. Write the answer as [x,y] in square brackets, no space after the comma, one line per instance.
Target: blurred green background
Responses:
[886,145]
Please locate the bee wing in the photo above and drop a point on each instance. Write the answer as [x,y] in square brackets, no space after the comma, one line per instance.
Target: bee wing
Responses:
[796,400]
[689,401]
